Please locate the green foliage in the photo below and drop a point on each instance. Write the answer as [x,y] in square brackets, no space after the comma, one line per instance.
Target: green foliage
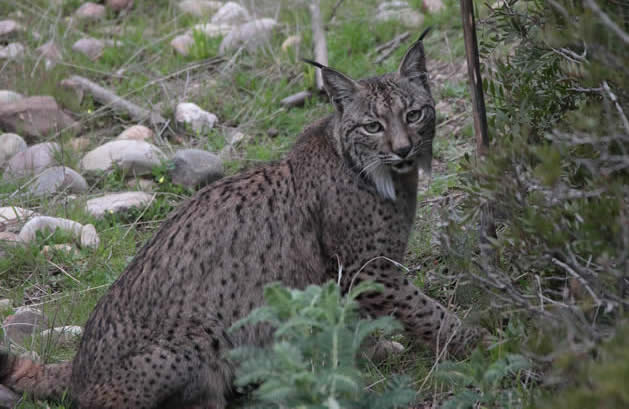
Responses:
[479,381]
[312,362]
[600,383]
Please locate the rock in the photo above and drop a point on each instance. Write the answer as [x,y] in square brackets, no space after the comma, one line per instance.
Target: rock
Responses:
[14,215]
[12,51]
[272,132]
[80,144]
[383,349]
[31,161]
[49,251]
[35,117]
[195,167]
[434,6]
[250,35]
[67,334]
[182,44]
[8,239]
[231,13]
[5,304]
[213,30]
[193,116]
[90,12]
[23,324]
[7,96]
[199,8]
[58,179]
[10,144]
[90,47]
[136,133]
[137,157]
[51,54]
[145,185]
[399,11]
[117,202]
[86,235]
[8,28]
[290,42]
[89,237]
[233,138]
[119,5]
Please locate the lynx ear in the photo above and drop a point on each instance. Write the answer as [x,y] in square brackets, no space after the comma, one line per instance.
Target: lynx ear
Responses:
[413,66]
[339,87]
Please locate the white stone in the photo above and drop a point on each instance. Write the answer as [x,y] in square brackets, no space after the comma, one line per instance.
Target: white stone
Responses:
[58,179]
[231,13]
[10,144]
[64,335]
[89,237]
[213,30]
[250,35]
[37,223]
[90,47]
[182,43]
[117,202]
[136,133]
[192,115]
[434,6]
[12,214]
[199,8]
[31,161]
[7,96]
[138,157]
[90,11]
[290,42]
[9,28]
[12,51]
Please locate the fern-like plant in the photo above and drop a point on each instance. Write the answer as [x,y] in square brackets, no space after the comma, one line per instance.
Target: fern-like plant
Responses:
[313,361]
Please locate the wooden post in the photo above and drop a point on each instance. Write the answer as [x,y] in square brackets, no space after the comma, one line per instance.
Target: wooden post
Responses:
[476,82]
[487,223]
[320,45]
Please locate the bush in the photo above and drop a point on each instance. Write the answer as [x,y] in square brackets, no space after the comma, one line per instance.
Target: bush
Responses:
[313,361]
[557,83]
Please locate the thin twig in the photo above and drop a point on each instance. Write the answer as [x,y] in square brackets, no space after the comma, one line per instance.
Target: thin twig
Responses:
[608,21]
[614,99]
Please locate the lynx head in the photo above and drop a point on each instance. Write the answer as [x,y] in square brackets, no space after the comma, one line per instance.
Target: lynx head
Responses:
[385,125]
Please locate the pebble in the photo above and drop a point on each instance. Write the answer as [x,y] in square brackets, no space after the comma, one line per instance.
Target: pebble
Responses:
[192,115]
[58,179]
[90,12]
[137,157]
[182,44]
[33,160]
[195,167]
[251,35]
[136,133]
[92,48]
[199,8]
[12,51]
[10,144]
[117,202]
[231,13]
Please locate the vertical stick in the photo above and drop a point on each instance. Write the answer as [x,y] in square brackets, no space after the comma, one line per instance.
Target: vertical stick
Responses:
[488,226]
[320,45]
[473,72]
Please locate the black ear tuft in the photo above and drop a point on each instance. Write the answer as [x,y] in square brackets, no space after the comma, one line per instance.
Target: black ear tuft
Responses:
[339,87]
[413,65]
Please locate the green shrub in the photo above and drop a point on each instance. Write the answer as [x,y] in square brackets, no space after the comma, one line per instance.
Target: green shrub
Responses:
[313,361]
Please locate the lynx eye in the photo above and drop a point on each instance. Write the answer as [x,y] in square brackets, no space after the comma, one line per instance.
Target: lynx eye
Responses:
[414,116]
[373,127]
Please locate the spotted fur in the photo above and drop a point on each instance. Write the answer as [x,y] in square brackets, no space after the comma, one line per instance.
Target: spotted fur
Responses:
[343,197]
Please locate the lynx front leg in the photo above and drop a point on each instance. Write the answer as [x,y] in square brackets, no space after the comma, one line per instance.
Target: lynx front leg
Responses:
[424,318]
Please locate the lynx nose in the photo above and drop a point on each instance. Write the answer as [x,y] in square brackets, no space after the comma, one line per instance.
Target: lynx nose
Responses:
[402,151]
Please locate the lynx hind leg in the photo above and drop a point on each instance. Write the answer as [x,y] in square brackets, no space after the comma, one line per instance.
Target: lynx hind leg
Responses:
[162,378]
